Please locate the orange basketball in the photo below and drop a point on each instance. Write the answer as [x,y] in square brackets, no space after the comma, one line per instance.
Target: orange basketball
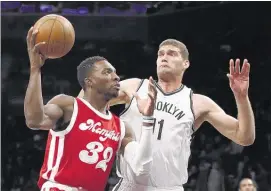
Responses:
[57,32]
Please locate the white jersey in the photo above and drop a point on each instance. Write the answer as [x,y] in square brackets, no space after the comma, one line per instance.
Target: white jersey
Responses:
[172,134]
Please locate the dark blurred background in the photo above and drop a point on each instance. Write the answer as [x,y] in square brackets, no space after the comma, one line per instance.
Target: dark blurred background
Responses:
[128,34]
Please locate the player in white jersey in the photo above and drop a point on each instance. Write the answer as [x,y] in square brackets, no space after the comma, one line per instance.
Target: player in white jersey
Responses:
[178,113]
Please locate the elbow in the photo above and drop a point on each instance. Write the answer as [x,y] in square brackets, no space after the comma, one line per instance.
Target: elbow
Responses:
[32,120]
[32,124]
[248,140]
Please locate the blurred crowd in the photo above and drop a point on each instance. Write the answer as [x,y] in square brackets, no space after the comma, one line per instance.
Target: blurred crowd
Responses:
[216,164]
[100,8]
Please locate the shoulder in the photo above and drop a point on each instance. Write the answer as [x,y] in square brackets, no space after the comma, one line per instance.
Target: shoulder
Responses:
[201,98]
[61,100]
[204,103]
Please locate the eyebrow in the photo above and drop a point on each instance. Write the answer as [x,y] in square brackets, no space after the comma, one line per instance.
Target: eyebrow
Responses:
[109,69]
[169,50]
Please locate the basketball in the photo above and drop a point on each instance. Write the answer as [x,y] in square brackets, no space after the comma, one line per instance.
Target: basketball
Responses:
[57,32]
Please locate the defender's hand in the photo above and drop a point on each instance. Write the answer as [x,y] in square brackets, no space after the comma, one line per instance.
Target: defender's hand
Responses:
[36,59]
[147,106]
[239,80]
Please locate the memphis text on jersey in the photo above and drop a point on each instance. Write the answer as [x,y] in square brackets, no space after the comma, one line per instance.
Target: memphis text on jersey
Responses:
[96,128]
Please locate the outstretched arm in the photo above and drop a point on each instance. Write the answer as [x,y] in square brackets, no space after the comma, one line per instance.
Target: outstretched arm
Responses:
[241,130]
[138,154]
[126,88]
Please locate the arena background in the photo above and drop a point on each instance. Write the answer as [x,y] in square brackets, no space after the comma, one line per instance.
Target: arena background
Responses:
[128,34]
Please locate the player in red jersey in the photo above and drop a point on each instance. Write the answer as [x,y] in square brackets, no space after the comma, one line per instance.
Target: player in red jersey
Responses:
[84,136]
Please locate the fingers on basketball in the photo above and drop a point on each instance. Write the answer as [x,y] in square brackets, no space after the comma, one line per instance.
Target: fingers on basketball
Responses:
[28,38]
[33,38]
[38,46]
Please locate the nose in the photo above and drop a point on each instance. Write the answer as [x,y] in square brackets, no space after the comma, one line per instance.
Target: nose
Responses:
[116,77]
[164,58]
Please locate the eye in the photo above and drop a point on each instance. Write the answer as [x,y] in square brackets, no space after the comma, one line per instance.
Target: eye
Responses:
[173,53]
[160,53]
[108,71]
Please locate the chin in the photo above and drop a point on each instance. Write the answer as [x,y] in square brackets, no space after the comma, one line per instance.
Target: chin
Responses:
[114,95]
[111,95]
[166,71]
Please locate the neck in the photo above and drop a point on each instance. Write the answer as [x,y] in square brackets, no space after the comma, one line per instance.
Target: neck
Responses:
[170,85]
[96,100]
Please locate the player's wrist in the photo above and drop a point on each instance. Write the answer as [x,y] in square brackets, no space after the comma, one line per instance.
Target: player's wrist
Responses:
[148,121]
[34,69]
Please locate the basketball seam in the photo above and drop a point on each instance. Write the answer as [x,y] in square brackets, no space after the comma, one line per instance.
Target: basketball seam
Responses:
[51,33]
[63,34]
[48,37]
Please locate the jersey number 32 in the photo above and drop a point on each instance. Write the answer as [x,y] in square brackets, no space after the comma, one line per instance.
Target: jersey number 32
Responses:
[91,155]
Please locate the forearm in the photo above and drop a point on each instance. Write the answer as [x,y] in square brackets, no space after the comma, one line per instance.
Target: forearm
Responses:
[139,154]
[246,121]
[33,102]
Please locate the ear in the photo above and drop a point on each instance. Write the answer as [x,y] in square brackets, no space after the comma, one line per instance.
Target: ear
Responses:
[88,82]
[186,64]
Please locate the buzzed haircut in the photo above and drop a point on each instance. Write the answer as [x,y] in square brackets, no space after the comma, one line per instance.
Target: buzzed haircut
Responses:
[85,67]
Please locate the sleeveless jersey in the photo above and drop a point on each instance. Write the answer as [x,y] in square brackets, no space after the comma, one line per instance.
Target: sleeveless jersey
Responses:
[82,155]
[172,135]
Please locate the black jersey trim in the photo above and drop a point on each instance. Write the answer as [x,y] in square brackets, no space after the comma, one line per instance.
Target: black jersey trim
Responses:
[170,93]
[192,110]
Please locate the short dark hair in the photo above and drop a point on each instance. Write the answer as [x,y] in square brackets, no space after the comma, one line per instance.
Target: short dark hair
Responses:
[85,67]
[183,50]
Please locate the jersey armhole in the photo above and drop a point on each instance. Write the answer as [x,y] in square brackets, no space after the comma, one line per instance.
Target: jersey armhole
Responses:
[128,106]
[71,124]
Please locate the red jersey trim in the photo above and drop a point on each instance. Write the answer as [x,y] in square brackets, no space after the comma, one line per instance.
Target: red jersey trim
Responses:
[71,124]
[108,117]
[54,158]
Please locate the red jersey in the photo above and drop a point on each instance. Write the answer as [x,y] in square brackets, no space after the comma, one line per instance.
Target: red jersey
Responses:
[82,155]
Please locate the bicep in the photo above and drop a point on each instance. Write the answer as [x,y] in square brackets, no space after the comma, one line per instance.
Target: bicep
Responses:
[53,111]
[52,114]
[224,123]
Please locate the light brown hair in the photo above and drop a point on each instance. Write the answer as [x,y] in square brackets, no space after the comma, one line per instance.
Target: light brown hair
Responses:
[173,42]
